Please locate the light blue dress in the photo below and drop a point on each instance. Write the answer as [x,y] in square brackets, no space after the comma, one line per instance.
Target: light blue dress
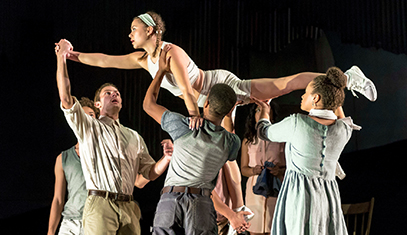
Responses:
[309,200]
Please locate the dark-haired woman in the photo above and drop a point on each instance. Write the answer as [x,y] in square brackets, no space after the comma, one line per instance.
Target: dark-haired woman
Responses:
[309,200]
[192,84]
[254,153]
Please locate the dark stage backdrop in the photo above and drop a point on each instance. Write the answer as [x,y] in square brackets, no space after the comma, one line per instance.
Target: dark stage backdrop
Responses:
[252,39]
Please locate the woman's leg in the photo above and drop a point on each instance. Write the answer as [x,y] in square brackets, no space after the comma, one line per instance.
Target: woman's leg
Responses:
[268,88]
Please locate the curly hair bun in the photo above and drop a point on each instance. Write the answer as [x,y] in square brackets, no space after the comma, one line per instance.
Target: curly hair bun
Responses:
[336,77]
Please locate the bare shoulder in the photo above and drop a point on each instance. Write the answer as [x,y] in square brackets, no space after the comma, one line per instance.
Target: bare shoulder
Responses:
[135,57]
[177,52]
[59,159]
[58,164]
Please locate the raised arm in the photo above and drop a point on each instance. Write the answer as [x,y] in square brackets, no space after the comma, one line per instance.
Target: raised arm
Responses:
[150,105]
[63,83]
[58,201]
[228,120]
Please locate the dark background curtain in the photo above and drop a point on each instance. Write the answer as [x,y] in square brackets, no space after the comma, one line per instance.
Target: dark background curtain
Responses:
[252,39]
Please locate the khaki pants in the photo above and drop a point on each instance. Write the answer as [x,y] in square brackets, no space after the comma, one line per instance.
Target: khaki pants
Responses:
[103,216]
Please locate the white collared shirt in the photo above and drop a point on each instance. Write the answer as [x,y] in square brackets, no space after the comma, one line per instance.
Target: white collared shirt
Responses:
[111,155]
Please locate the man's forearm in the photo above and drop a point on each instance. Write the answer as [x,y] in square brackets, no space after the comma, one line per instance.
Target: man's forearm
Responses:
[155,85]
[150,105]
[220,206]
[159,168]
[55,215]
[63,83]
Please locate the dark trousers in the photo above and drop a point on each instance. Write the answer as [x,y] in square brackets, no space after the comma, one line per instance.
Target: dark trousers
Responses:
[185,213]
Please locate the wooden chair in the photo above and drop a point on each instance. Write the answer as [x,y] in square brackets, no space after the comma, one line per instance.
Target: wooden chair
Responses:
[354,212]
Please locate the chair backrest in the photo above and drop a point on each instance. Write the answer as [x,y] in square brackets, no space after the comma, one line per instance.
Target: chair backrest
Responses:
[358,217]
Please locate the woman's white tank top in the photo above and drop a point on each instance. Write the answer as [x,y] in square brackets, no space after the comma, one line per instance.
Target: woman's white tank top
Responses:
[169,82]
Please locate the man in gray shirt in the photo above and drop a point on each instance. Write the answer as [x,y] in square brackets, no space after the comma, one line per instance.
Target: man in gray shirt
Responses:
[186,206]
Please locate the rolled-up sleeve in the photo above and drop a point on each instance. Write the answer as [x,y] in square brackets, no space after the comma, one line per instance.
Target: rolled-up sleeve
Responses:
[77,119]
[235,146]
[146,161]
[174,124]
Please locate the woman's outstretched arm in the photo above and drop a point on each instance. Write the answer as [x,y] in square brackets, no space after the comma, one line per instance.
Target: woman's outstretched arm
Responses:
[129,61]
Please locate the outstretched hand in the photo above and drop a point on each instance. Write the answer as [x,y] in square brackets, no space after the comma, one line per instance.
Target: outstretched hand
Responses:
[63,47]
[195,122]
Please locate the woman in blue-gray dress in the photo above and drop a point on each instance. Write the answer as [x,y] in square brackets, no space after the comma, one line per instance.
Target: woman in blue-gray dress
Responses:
[309,200]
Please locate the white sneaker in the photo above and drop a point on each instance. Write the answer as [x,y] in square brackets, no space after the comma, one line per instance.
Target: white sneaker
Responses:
[357,81]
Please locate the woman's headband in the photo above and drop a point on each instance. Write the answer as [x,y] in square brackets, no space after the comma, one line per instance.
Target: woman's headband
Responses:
[147,19]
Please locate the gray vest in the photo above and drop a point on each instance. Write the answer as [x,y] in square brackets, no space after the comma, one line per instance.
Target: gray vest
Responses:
[76,185]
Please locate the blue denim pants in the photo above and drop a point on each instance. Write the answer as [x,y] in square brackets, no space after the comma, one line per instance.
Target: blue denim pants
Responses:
[185,213]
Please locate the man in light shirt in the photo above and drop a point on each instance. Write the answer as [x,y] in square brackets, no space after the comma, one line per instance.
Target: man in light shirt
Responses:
[111,155]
